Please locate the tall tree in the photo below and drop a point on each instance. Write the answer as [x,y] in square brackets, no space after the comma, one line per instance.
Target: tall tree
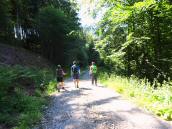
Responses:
[135,36]
[5,21]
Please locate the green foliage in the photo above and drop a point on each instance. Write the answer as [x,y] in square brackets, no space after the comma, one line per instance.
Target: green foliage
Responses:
[52,23]
[93,55]
[52,86]
[66,39]
[50,28]
[5,21]
[142,92]
[22,95]
[135,36]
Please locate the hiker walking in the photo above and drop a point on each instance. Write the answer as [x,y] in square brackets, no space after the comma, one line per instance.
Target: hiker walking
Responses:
[60,78]
[75,72]
[93,73]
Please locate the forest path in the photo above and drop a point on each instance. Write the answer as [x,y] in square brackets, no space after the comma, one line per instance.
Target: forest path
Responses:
[95,107]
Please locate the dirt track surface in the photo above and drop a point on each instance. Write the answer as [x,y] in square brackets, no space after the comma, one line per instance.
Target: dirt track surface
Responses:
[91,107]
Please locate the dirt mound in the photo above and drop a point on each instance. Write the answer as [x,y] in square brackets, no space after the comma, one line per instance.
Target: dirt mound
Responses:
[10,55]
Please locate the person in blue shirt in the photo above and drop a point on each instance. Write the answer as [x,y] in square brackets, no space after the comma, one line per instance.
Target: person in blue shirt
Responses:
[75,72]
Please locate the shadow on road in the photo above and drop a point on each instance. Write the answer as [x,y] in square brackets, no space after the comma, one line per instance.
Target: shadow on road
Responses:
[70,110]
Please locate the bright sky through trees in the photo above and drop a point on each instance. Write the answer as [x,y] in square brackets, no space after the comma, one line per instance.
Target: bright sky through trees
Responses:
[85,13]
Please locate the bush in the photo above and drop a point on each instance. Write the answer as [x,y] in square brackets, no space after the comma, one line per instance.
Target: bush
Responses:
[158,100]
[22,95]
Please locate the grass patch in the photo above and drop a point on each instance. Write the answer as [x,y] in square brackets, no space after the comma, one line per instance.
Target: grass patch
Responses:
[23,94]
[159,100]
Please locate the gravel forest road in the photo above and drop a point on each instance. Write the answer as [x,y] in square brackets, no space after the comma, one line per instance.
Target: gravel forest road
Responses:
[95,107]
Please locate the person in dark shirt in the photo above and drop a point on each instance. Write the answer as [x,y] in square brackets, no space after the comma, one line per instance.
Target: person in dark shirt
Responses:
[60,77]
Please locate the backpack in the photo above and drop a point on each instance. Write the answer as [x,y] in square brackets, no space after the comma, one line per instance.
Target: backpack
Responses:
[59,73]
[94,69]
[75,69]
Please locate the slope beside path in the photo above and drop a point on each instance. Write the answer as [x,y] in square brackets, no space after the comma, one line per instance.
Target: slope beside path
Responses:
[10,55]
[92,107]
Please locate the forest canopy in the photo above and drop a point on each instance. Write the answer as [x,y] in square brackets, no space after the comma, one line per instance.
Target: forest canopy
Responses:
[50,28]
[136,37]
[133,37]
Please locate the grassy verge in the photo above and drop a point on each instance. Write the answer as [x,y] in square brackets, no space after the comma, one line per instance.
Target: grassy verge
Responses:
[23,94]
[158,101]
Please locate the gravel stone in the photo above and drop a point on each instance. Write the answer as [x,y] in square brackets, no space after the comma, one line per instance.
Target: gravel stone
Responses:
[95,107]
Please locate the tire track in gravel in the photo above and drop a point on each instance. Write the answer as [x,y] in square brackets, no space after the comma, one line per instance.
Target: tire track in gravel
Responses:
[92,107]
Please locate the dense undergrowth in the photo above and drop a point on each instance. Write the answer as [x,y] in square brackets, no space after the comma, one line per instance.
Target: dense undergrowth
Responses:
[158,101]
[23,94]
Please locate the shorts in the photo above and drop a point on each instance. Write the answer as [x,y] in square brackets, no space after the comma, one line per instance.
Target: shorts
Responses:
[76,76]
[60,79]
[94,75]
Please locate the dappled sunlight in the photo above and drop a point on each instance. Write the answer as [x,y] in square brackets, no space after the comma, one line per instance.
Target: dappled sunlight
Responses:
[124,44]
[93,107]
